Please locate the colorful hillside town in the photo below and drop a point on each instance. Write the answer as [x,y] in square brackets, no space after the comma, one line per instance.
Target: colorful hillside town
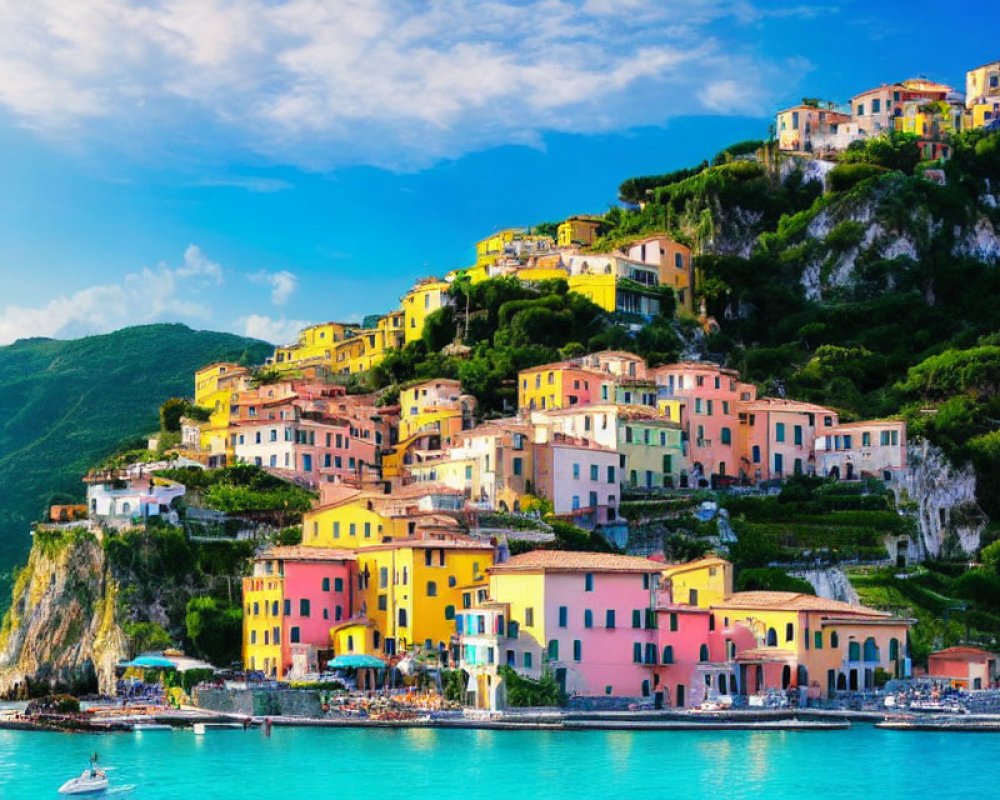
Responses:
[390,573]
[931,111]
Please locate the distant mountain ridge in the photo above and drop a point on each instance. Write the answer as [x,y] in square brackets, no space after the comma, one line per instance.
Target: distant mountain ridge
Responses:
[66,404]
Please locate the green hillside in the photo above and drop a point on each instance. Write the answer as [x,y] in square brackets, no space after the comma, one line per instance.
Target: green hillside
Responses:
[65,404]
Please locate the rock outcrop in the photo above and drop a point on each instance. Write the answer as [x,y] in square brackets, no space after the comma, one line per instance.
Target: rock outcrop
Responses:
[831,583]
[61,629]
[942,498]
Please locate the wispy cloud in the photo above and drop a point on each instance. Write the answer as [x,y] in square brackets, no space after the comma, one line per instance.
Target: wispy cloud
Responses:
[282,283]
[383,82]
[269,329]
[152,294]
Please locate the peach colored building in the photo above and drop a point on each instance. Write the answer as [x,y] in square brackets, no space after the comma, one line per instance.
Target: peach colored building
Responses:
[579,477]
[965,667]
[674,262]
[853,450]
[805,128]
[710,394]
[776,437]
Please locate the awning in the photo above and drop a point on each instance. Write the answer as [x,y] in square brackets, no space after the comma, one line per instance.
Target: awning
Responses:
[356,662]
[150,662]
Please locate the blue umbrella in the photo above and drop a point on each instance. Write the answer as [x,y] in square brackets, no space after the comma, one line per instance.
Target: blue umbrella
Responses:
[150,662]
[356,662]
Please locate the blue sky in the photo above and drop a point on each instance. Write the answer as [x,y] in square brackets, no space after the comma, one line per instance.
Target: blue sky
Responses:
[257,165]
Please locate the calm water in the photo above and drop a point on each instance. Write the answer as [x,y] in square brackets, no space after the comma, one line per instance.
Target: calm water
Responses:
[310,763]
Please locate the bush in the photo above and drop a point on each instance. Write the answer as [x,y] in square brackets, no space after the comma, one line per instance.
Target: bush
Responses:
[526,693]
[846,176]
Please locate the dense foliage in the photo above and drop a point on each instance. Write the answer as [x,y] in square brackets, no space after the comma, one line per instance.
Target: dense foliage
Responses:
[65,404]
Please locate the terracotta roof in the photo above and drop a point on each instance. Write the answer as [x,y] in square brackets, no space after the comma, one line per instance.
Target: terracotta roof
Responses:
[792,601]
[570,561]
[866,423]
[698,563]
[963,651]
[300,552]
[781,404]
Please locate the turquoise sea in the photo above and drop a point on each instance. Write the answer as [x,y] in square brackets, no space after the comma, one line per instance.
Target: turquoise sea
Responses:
[557,765]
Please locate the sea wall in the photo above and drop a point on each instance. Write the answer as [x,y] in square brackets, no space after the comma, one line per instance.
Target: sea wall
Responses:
[261,702]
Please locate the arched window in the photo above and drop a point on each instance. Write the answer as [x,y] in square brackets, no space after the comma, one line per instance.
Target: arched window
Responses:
[449,612]
[703,653]
[789,632]
[834,639]
[668,654]
[772,637]
[722,683]
[871,650]
[432,589]
[402,618]
[711,622]
[894,649]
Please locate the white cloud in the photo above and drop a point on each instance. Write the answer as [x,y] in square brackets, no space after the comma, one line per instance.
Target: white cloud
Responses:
[384,82]
[282,284]
[153,294]
[275,331]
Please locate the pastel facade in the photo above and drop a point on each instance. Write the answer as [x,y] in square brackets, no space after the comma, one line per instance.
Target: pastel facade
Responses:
[517,243]
[214,387]
[875,448]
[580,478]
[290,603]
[492,465]
[119,503]
[673,260]
[710,394]
[874,111]
[616,283]
[982,94]
[969,668]
[558,385]
[587,617]
[422,300]
[314,345]
[805,128]
[411,591]
[776,437]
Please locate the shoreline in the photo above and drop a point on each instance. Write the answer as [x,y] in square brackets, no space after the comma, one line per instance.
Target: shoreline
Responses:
[807,720]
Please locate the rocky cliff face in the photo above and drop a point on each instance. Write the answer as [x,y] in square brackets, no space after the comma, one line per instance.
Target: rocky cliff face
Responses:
[831,583]
[942,498]
[61,628]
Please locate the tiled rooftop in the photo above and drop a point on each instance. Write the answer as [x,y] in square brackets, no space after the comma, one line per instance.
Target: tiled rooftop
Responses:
[569,561]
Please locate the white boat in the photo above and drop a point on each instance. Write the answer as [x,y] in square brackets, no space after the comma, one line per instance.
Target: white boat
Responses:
[201,727]
[93,780]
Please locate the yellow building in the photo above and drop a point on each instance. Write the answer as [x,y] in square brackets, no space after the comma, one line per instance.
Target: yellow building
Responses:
[365,518]
[580,229]
[263,599]
[559,385]
[702,583]
[314,345]
[516,242]
[423,299]
[411,590]
[805,641]
[982,94]
[214,388]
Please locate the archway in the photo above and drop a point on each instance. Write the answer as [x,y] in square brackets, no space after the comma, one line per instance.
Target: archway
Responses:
[835,473]
[849,471]
[801,676]
[786,676]
[680,695]
[841,682]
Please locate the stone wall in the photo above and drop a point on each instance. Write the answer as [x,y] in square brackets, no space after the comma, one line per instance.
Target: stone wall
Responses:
[261,702]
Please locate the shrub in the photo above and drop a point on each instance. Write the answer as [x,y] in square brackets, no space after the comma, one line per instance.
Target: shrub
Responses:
[846,176]
[771,579]
[525,693]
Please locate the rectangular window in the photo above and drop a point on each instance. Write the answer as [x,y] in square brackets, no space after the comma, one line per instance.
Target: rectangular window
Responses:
[636,618]
[577,650]
[673,621]
[563,616]
[518,466]
[288,607]
[588,618]
[326,584]
[527,660]
[383,577]
[884,438]
[611,474]
[588,582]
[726,436]
[637,652]
[779,431]
[304,607]
[576,472]
[818,640]
[338,584]
[876,105]
[595,472]
[529,617]
[336,530]
[609,618]
[294,634]
[866,439]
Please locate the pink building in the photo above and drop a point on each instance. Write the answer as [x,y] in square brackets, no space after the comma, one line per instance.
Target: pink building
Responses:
[299,594]
[591,619]
[580,477]
[776,438]
[310,432]
[965,667]
[710,394]
[874,448]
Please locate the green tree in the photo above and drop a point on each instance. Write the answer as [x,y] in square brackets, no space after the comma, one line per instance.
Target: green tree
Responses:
[170,414]
[214,629]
